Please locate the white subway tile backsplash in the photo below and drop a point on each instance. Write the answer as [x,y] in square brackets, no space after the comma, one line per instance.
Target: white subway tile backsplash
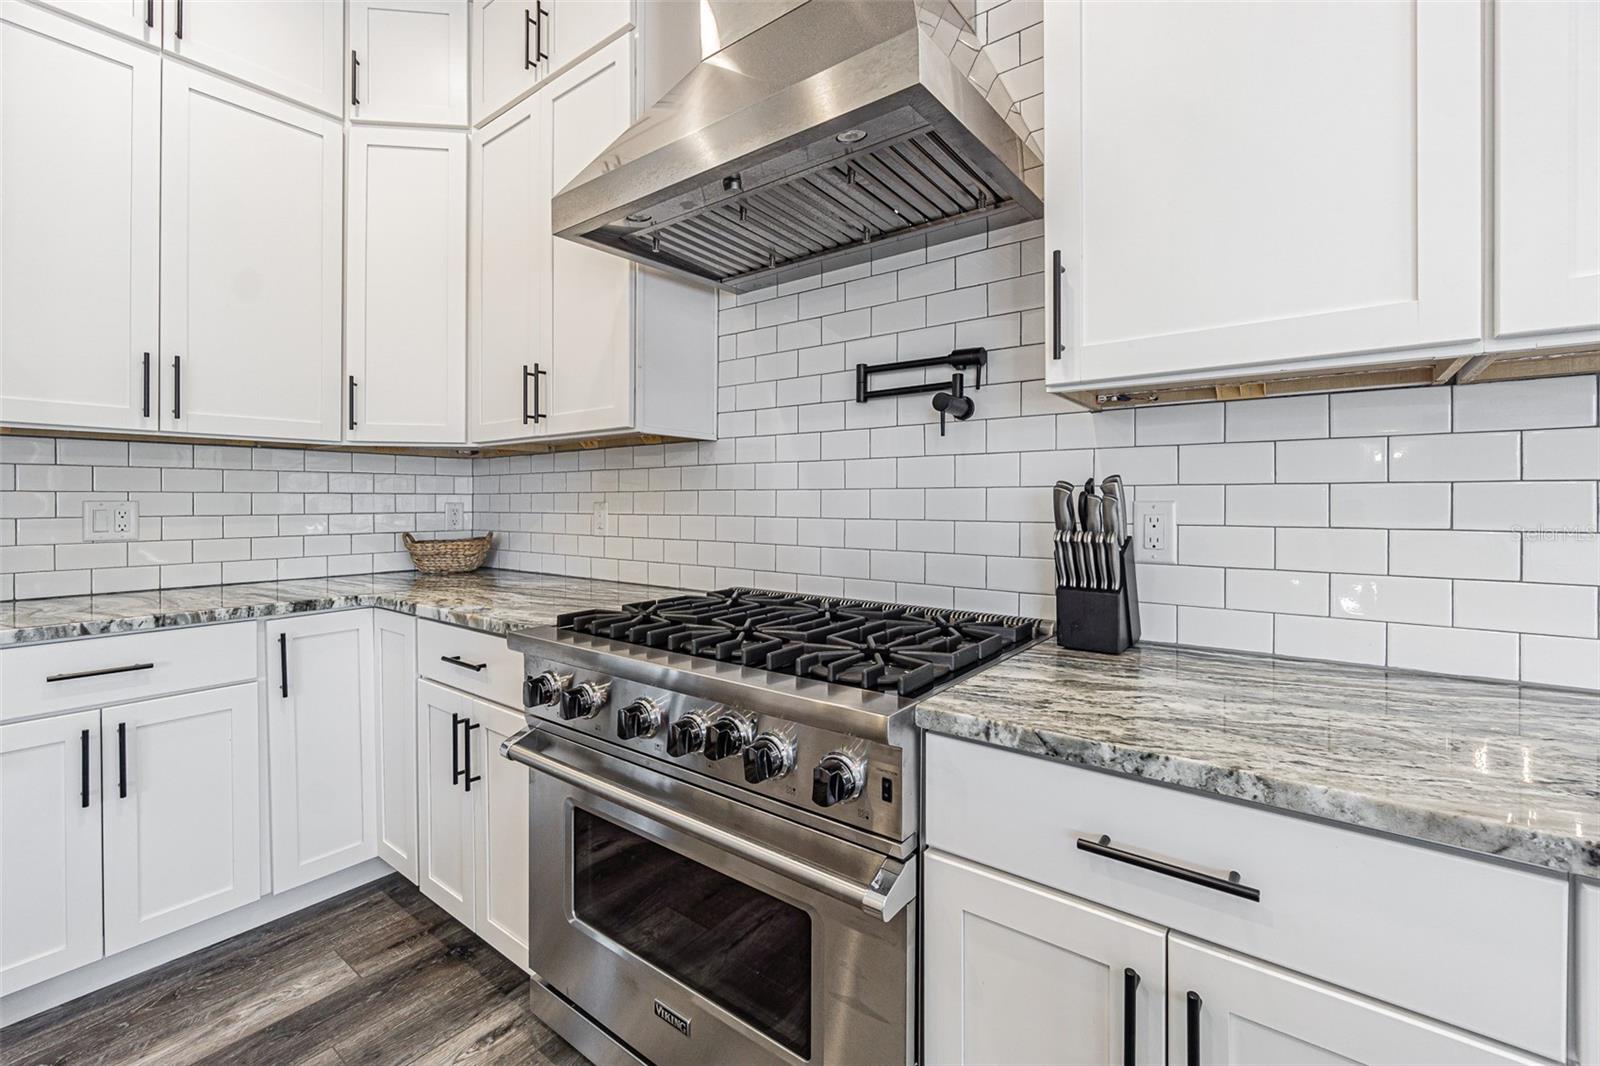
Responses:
[1277,505]
[1340,639]
[1526,506]
[1464,652]
[1564,558]
[1279,418]
[1335,459]
[1197,586]
[1204,627]
[1228,546]
[1561,454]
[1277,591]
[1425,601]
[1536,404]
[1139,466]
[1333,550]
[1525,607]
[1389,411]
[1564,661]
[1225,464]
[1429,553]
[1423,506]
[1193,423]
[1456,457]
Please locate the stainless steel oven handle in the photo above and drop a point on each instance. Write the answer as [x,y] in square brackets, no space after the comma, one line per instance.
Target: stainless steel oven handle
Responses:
[891,887]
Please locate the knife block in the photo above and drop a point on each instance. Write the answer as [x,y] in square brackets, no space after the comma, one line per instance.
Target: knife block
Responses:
[1107,622]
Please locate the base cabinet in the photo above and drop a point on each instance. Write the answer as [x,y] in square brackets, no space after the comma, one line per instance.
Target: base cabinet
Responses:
[322,738]
[50,800]
[394,672]
[500,903]
[1016,973]
[446,842]
[1230,1010]
[181,777]
[1588,973]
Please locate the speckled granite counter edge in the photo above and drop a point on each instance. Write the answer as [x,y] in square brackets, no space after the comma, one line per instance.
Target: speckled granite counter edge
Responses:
[1519,844]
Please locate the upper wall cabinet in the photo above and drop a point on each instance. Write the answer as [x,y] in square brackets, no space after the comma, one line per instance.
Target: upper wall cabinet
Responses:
[251,229]
[408,61]
[139,19]
[1239,184]
[518,43]
[80,165]
[1547,167]
[293,49]
[406,308]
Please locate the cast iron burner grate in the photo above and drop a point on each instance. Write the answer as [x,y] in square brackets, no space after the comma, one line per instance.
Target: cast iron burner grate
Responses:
[882,646]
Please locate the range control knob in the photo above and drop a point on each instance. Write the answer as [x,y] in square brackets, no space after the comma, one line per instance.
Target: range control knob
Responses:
[836,779]
[641,718]
[768,756]
[687,735]
[584,700]
[544,689]
[726,736]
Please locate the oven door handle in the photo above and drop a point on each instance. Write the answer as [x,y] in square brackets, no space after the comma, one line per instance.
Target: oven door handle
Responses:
[886,895]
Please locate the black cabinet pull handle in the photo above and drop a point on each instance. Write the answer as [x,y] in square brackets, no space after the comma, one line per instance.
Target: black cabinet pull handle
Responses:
[283,665]
[150,13]
[1193,1025]
[1056,270]
[147,384]
[179,32]
[355,65]
[81,674]
[177,386]
[122,760]
[456,660]
[352,401]
[83,791]
[470,778]
[538,403]
[533,374]
[527,55]
[1230,885]
[455,747]
[538,32]
[1130,1005]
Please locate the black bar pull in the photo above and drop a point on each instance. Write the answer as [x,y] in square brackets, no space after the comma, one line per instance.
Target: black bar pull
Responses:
[81,674]
[1229,885]
[147,384]
[470,778]
[179,32]
[83,791]
[1130,1015]
[538,32]
[122,760]
[177,386]
[352,401]
[355,65]
[455,747]
[150,13]
[527,54]
[456,660]
[538,405]
[1193,1025]
[283,665]
[1056,270]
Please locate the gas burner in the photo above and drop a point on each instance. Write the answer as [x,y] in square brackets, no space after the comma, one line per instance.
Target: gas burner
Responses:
[880,646]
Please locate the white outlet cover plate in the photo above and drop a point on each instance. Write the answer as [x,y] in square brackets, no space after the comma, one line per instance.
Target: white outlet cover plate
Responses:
[110,520]
[1165,512]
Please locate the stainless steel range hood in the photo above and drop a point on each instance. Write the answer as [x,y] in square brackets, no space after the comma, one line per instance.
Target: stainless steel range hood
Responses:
[833,127]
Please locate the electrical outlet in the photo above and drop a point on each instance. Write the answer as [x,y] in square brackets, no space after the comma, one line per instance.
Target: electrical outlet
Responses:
[600,519]
[1155,524]
[453,512]
[110,520]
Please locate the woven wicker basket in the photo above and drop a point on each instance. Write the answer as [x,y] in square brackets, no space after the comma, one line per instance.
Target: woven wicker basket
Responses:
[448,556]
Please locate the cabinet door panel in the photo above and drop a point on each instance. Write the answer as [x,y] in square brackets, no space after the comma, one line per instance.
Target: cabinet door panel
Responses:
[184,844]
[323,741]
[79,264]
[573,27]
[445,834]
[1327,198]
[590,292]
[49,848]
[407,278]
[502,815]
[508,281]
[139,19]
[395,670]
[1016,973]
[505,61]
[1547,166]
[292,49]
[1253,1014]
[413,56]
[252,223]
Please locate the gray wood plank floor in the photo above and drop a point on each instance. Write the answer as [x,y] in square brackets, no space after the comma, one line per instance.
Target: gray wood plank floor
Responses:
[378,975]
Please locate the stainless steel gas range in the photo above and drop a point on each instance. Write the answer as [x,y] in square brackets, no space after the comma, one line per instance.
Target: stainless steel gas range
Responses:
[723,822]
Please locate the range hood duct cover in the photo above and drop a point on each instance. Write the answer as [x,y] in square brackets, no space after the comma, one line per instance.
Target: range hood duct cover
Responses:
[837,126]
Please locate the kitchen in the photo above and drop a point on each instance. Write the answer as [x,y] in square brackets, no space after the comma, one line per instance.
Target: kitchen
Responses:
[895,600]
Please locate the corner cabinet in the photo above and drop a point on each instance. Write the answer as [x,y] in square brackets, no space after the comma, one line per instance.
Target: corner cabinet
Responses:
[1321,197]
[294,50]
[408,61]
[516,44]
[566,341]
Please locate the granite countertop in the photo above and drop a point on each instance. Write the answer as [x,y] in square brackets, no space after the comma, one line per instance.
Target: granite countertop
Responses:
[1487,767]
[494,601]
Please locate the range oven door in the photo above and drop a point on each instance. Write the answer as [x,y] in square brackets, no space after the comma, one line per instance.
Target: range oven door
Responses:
[697,928]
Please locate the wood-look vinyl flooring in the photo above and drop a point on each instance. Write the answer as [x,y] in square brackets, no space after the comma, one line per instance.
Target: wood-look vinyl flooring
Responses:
[379,975]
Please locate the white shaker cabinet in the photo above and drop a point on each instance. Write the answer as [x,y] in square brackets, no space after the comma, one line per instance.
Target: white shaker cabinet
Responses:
[1229,1010]
[50,797]
[1588,972]
[1240,184]
[446,840]
[394,650]
[79,264]
[181,781]
[501,881]
[1547,167]
[571,29]
[1016,973]
[295,49]
[506,54]
[406,300]
[251,235]
[322,740]
[139,19]
[408,61]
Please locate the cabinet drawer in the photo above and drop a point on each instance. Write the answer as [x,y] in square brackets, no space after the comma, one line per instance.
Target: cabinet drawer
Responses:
[1473,943]
[479,663]
[99,671]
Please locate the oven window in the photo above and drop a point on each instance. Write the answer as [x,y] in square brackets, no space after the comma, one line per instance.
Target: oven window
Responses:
[746,950]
